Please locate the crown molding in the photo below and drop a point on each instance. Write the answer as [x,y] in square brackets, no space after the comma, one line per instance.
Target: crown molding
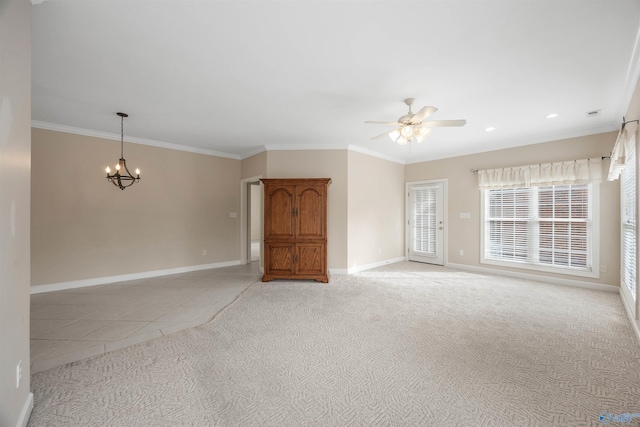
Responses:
[253,152]
[133,140]
[631,79]
[372,153]
[292,147]
[515,144]
[296,147]
[178,147]
[34,2]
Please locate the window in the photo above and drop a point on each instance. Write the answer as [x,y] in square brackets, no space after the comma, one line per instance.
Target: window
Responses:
[628,211]
[549,228]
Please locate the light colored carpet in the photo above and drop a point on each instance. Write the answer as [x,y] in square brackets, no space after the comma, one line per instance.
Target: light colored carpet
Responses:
[408,344]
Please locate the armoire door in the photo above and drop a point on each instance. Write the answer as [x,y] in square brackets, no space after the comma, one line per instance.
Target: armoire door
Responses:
[310,212]
[279,258]
[278,202]
[310,259]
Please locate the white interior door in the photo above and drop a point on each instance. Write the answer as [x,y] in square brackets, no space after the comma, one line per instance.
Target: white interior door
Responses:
[426,223]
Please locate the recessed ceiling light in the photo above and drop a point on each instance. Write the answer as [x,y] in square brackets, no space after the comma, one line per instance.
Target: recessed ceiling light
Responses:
[490,129]
[551,116]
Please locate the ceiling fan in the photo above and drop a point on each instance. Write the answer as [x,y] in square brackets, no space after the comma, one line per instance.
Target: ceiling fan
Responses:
[414,126]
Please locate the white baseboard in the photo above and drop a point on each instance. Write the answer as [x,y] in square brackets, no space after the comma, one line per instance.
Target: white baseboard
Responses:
[25,414]
[629,310]
[61,286]
[365,267]
[546,279]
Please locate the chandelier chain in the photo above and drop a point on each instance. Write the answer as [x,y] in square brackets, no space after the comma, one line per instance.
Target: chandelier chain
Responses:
[121,137]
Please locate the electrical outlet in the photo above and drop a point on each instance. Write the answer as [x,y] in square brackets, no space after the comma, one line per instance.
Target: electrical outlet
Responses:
[18,374]
[603,268]
[204,252]
[461,252]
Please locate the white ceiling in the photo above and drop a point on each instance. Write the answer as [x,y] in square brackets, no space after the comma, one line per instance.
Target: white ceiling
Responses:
[235,77]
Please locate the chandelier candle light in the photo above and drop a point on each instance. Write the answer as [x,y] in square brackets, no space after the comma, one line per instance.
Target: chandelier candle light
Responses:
[122,177]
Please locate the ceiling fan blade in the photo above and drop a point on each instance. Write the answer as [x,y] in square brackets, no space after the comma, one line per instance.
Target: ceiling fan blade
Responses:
[423,114]
[386,134]
[444,123]
[384,123]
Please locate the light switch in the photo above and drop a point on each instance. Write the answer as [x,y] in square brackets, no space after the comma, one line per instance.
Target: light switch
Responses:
[465,215]
[233,214]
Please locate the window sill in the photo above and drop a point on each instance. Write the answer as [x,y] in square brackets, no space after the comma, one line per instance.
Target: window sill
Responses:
[595,274]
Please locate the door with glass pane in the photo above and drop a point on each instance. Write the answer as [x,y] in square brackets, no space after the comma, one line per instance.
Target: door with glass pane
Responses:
[426,223]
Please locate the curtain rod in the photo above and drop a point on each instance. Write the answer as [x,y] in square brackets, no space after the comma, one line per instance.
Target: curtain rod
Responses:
[603,158]
[624,122]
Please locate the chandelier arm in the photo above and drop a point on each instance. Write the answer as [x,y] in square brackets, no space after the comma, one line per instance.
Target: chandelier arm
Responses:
[122,187]
[124,165]
[117,180]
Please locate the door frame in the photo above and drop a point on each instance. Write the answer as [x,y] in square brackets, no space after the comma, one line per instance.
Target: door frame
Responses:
[244,218]
[445,215]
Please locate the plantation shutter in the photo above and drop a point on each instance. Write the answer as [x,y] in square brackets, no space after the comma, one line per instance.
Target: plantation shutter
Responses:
[545,226]
[508,217]
[424,221]
[628,196]
[563,225]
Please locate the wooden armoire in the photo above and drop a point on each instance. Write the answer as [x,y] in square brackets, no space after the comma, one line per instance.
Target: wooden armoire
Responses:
[295,229]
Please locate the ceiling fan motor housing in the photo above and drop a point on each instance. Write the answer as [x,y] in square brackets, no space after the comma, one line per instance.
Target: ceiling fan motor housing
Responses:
[405,118]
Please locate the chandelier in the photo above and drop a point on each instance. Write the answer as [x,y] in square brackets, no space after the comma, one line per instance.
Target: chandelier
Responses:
[409,133]
[122,177]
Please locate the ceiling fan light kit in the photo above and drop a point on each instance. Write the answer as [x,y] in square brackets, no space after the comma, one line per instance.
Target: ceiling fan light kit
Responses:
[413,127]
[408,133]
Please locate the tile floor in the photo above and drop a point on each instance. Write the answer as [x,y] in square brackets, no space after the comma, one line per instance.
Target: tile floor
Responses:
[74,324]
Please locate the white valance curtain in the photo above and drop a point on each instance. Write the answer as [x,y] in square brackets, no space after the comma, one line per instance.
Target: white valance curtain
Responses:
[626,139]
[571,172]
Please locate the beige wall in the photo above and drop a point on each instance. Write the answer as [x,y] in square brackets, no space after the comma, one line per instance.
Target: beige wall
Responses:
[78,230]
[464,196]
[375,210]
[320,164]
[15,165]
[84,227]
[254,166]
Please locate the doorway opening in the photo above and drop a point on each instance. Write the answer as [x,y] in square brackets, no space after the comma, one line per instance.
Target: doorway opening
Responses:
[251,242]
[254,222]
